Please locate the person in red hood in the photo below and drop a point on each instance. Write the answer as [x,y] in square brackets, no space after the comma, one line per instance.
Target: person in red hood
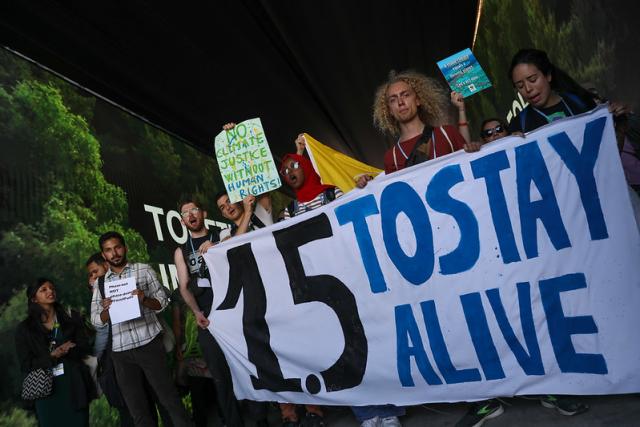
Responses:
[299,174]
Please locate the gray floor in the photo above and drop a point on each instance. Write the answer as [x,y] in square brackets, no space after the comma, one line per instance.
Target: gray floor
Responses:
[613,411]
[610,411]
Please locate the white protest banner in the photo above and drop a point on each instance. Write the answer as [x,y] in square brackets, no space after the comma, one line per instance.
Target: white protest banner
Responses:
[245,161]
[509,271]
[124,305]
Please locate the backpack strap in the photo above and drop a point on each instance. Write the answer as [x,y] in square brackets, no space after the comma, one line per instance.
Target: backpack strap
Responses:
[424,139]
[575,99]
[101,288]
[523,118]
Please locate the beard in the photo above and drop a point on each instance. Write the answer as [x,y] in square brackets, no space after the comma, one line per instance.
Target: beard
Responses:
[198,226]
[118,262]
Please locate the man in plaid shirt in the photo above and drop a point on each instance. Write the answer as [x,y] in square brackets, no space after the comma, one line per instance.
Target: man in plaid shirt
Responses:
[137,344]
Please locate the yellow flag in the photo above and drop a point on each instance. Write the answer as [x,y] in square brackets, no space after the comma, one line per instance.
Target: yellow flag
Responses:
[336,168]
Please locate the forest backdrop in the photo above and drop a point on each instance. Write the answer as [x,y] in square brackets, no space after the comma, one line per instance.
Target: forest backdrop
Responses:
[74,166]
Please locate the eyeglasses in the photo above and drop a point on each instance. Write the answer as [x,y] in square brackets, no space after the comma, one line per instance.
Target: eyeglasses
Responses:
[186,213]
[285,171]
[488,132]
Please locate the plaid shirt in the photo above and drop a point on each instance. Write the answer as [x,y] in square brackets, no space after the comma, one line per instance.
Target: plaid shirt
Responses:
[135,332]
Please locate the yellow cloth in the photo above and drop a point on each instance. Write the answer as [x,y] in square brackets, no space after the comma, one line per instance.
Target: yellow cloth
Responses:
[336,168]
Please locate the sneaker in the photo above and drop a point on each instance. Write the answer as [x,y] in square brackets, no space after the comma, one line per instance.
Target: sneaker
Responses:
[312,420]
[390,422]
[481,412]
[565,406]
[372,422]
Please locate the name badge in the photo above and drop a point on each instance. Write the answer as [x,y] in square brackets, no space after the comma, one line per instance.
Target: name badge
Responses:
[58,370]
[203,283]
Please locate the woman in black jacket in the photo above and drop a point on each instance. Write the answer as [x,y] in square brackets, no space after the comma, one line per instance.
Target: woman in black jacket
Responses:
[49,338]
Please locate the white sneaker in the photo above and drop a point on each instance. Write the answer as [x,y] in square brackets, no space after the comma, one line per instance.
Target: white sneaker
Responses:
[372,422]
[391,422]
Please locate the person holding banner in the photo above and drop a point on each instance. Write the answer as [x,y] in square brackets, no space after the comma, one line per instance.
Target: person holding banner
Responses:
[414,108]
[551,93]
[196,292]
[137,349]
[298,173]
[492,129]
[250,214]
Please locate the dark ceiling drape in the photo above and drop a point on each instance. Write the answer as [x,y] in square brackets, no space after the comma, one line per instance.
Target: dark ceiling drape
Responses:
[189,67]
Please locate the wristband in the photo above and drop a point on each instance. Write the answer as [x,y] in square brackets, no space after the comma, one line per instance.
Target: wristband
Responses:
[463,124]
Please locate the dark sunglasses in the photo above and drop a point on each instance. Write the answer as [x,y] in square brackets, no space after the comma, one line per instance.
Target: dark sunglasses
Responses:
[488,132]
[285,171]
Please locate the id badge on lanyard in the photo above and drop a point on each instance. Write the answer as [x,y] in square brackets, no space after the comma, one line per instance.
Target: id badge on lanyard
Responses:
[58,370]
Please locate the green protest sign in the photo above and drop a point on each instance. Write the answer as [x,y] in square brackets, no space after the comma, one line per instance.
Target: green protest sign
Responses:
[245,161]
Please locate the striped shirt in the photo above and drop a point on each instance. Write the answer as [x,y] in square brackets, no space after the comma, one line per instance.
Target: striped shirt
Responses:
[302,207]
[139,331]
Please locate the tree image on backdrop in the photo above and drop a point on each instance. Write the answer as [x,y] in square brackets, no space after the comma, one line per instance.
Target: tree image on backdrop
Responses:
[583,43]
[245,161]
[70,171]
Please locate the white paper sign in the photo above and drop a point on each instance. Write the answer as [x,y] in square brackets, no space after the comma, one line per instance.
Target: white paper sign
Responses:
[514,270]
[124,305]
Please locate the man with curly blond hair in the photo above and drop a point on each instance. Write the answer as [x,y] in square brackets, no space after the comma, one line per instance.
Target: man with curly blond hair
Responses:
[415,109]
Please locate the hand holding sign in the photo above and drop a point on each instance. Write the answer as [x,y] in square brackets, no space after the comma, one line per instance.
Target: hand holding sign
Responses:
[463,73]
[245,160]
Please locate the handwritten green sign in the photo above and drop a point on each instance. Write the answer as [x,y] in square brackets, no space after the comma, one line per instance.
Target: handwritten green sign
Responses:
[245,161]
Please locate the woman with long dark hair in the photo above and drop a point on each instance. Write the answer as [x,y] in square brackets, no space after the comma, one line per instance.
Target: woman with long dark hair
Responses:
[51,339]
[551,93]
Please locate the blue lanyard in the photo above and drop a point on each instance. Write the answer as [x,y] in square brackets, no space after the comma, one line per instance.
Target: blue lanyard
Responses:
[193,250]
[549,119]
[54,332]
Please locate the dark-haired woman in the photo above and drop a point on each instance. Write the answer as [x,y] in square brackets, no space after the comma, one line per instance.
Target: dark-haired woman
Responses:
[49,338]
[550,92]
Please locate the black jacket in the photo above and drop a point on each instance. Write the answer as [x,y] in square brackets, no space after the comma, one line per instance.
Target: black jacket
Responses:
[32,347]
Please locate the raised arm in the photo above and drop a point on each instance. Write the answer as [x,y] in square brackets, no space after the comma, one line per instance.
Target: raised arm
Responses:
[457,100]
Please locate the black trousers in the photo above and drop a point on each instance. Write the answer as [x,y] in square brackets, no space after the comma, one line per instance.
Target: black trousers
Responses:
[148,361]
[221,375]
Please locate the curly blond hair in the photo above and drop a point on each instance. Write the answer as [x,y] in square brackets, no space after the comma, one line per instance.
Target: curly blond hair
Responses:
[433,97]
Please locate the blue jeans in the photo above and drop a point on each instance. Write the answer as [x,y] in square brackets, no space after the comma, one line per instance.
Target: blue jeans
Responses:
[102,336]
[364,413]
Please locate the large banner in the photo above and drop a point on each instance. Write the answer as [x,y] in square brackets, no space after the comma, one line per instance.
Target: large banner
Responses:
[509,271]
